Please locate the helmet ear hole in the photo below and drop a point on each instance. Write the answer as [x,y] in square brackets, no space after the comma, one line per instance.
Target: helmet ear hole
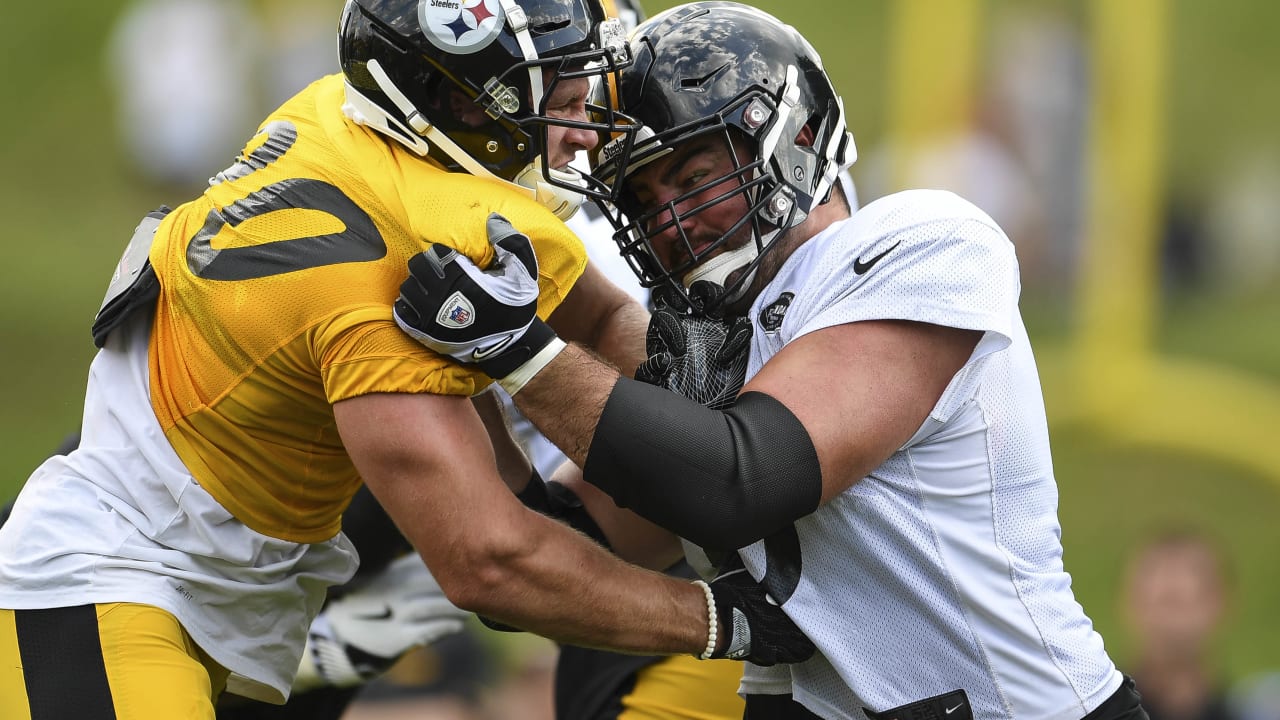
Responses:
[466,109]
[807,135]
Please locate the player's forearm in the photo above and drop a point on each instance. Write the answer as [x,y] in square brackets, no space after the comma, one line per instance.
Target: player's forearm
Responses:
[621,339]
[623,607]
[513,464]
[565,400]
[600,315]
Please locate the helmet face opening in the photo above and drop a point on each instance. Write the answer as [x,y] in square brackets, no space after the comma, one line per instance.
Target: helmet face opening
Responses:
[572,78]
[473,83]
[695,205]
[731,71]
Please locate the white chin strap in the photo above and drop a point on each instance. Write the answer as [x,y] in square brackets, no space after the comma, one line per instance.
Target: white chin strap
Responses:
[560,200]
[420,134]
[718,269]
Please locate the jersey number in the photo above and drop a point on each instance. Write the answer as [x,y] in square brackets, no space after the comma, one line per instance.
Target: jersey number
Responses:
[360,241]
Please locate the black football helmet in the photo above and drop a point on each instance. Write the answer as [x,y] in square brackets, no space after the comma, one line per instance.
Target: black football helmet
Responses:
[723,70]
[418,70]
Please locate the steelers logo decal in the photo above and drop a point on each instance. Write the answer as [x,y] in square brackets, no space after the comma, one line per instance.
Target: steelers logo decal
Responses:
[460,26]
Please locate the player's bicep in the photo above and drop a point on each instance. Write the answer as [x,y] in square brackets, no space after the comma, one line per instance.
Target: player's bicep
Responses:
[862,389]
[428,461]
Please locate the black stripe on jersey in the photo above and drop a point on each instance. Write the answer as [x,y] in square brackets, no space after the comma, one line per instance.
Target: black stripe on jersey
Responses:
[62,661]
[360,241]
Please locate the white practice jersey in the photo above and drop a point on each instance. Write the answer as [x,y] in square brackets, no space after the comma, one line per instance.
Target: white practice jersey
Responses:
[942,569]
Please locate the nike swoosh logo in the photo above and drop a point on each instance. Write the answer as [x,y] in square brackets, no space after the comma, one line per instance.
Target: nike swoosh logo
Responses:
[950,710]
[486,352]
[384,615]
[861,266]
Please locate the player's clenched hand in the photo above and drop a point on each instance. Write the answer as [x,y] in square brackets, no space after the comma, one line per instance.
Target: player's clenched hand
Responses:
[755,629]
[701,358]
[481,317]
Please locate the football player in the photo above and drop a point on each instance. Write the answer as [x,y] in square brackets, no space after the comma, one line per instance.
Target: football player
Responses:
[885,470]
[590,684]
[251,377]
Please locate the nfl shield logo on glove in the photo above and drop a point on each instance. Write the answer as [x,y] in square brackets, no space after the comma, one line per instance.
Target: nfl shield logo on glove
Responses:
[457,312]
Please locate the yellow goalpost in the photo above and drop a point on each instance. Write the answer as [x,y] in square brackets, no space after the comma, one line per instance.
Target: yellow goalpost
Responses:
[1111,374]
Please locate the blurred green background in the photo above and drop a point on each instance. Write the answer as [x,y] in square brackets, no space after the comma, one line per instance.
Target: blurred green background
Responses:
[1172,424]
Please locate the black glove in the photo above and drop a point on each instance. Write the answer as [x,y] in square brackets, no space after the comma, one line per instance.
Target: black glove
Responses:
[755,629]
[701,358]
[703,298]
[479,317]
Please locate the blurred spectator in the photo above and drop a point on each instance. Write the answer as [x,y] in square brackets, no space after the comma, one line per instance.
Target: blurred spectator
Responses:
[1021,156]
[182,73]
[1241,220]
[1183,247]
[193,77]
[1175,598]
[302,35]
[1039,90]
[981,165]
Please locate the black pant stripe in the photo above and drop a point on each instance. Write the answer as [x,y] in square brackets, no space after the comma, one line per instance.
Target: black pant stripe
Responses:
[62,660]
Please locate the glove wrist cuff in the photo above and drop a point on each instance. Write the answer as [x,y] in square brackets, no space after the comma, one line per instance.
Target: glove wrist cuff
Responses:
[712,621]
[518,378]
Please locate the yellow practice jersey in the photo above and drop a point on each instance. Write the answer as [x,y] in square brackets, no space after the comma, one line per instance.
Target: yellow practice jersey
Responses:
[277,287]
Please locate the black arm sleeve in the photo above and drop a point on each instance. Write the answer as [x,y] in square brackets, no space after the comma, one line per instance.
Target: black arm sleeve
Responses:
[722,479]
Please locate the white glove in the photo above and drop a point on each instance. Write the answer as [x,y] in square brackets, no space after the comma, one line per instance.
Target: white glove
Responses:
[361,634]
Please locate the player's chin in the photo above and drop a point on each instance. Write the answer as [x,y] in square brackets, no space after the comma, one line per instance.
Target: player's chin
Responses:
[561,162]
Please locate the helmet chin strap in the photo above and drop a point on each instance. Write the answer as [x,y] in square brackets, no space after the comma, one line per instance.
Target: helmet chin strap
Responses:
[718,269]
[560,200]
[519,24]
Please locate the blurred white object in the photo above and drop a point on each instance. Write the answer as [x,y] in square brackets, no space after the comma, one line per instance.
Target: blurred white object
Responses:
[183,74]
[361,634]
[1257,697]
[300,46]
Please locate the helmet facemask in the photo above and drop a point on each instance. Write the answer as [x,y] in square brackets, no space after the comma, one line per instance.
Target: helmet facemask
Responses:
[553,175]
[655,239]
[746,131]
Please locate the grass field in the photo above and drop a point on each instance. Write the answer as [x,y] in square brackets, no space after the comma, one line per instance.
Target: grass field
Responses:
[69,205]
